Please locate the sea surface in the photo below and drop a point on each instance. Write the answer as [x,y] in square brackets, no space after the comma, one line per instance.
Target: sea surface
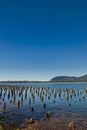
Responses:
[22,101]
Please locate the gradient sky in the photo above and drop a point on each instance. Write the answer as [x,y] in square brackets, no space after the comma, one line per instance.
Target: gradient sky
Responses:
[40,39]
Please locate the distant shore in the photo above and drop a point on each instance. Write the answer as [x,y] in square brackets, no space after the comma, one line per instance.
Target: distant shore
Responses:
[57,79]
[53,82]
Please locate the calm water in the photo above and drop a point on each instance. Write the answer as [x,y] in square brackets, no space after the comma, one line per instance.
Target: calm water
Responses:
[21,101]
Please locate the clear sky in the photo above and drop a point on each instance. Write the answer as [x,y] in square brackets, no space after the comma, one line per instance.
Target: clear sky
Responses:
[40,39]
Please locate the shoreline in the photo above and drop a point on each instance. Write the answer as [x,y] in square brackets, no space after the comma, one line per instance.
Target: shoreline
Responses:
[43,82]
[57,122]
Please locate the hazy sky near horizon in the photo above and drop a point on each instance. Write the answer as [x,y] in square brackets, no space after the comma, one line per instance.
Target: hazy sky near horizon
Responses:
[40,39]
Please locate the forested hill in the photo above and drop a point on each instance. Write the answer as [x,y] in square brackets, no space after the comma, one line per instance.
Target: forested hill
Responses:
[69,79]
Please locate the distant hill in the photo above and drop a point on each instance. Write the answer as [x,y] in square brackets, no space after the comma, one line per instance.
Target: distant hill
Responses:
[55,79]
[69,79]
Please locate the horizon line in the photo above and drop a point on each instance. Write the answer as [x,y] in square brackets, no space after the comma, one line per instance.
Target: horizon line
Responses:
[39,80]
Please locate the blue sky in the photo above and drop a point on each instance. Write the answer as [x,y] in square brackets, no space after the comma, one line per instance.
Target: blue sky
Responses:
[42,39]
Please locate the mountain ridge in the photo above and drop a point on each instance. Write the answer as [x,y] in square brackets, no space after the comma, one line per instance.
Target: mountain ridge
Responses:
[54,79]
[69,79]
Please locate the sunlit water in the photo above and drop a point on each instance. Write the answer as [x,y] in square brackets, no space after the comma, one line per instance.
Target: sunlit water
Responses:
[21,101]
